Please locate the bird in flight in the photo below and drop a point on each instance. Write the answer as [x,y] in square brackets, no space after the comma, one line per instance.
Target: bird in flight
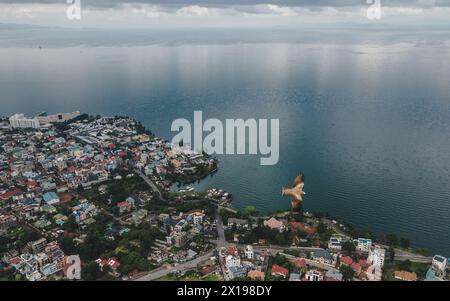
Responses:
[296,192]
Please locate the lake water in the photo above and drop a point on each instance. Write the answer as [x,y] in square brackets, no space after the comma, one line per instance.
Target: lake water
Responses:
[366,118]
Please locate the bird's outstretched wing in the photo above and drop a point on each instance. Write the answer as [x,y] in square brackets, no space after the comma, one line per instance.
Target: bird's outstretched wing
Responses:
[299,181]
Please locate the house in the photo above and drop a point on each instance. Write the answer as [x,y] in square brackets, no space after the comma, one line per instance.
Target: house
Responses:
[275,224]
[333,276]
[84,210]
[181,225]
[249,253]
[279,271]
[139,215]
[323,256]
[297,226]
[405,275]
[7,221]
[232,261]
[346,260]
[237,271]
[50,198]
[112,262]
[124,207]
[294,277]
[198,218]
[364,244]
[356,267]
[335,244]
[256,275]
[300,263]
[232,250]
[238,223]
[439,263]
[314,275]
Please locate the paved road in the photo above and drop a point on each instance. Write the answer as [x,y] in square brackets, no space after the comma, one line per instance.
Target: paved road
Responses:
[150,183]
[221,241]
[400,254]
[158,273]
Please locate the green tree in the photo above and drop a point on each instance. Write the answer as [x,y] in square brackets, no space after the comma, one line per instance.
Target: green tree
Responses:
[404,265]
[392,239]
[348,247]
[249,210]
[90,272]
[391,253]
[347,272]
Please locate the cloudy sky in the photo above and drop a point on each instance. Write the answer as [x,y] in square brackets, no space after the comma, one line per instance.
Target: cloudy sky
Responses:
[220,13]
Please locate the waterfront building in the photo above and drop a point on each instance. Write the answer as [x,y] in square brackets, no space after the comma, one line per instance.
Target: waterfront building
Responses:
[439,263]
[376,256]
[20,121]
[364,244]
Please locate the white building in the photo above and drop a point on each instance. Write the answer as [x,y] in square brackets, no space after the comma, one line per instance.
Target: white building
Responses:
[364,244]
[232,261]
[249,254]
[374,273]
[314,275]
[20,121]
[440,263]
[198,218]
[335,244]
[376,256]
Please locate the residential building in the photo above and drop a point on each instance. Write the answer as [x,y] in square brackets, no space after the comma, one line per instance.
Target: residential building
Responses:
[50,198]
[238,223]
[274,224]
[237,272]
[376,256]
[364,244]
[232,261]
[314,275]
[323,256]
[405,275]
[279,271]
[331,275]
[20,121]
[335,244]
[374,273]
[439,263]
[249,253]
[256,275]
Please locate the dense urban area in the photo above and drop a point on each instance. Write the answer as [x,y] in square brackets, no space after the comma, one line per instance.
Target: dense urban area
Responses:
[105,192]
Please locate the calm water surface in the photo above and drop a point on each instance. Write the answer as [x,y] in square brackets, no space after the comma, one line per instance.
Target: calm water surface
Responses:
[367,121]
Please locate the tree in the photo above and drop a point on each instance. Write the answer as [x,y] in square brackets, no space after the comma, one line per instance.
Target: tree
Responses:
[347,272]
[90,272]
[391,253]
[392,239]
[404,265]
[249,210]
[348,247]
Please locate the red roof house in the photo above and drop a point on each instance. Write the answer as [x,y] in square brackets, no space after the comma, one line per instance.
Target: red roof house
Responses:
[279,271]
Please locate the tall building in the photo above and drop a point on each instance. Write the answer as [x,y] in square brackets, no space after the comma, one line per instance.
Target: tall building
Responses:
[376,256]
[20,121]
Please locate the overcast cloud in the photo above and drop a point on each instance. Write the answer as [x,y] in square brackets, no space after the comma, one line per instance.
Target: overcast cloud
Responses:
[207,13]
